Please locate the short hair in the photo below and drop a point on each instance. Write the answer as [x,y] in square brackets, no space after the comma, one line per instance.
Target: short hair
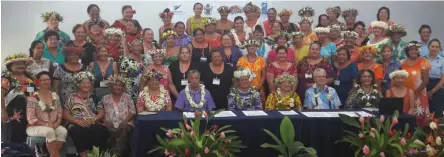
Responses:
[179,23]
[33,45]
[126,7]
[49,34]
[358,80]
[77,26]
[435,40]
[281,48]
[424,27]
[197,30]
[318,70]
[315,43]
[380,9]
[92,6]
[238,18]
[195,4]
[359,23]
[347,51]
[386,46]
[43,73]
[192,71]
[213,51]
[272,9]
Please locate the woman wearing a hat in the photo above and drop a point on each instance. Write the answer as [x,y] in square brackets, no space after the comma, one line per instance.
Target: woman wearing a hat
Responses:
[16,86]
[396,32]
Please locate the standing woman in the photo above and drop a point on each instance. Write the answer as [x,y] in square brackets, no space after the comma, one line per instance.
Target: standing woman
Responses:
[346,72]
[217,77]
[64,74]
[252,20]
[230,53]
[418,69]
[53,19]
[305,25]
[435,91]
[52,50]
[172,50]
[148,44]
[83,114]
[350,43]
[93,11]
[368,54]
[308,64]
[285,23]
[359,28]
[349,16]
[378,30]
[389,64]
[154,97]
[182,38]
[335,35]
[299,48]
[166,17]
[16,86]
[328,48]
[166,80]
[224,25]
[280,66]
[102,68]
[127,13]
[211,34]
[199,47]
[95,32]
[306,12]
[238,33]
[263,49]
[271,19]
[333,14]
[115,42]
[384,16]
[80,42]
[323,21]
[180,68]
[135,75]
[196,21]
[133,31]
[37,63]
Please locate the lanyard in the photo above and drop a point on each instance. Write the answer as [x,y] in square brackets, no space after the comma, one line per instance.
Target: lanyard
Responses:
[228,58]
[203,52]
[261,52]
[310,68]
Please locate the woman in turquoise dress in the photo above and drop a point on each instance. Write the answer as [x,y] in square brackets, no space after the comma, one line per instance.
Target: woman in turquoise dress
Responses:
[328,48]
[346,71]
[52,50]
[53,19]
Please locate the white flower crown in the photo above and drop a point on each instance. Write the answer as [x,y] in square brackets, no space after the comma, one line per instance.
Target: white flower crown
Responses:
[243,72]
[379,24]
[398,73]
[157,51]
[308,19]
[113,31]
[306,9]
[79,77]
[335,26]
[319,30]
[352,34]
[297,33]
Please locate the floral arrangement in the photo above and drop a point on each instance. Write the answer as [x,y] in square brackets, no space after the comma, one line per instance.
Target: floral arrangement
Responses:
[223,9]
[13,82]
[306,9]
[285,12]
[305,19]
[96,21]
[42,105]
[351,34]
[190,140]
[168,33]
[114,31]
[335,27]
[319,30]
[165,14]
[369,99]
[160,104]
[128,64]
[190,99]
[16,58]
[209,20]
[435,138]
[336,9]
[379,24]
[287,146]
[399,73]
[243,72]
[350,11]
[119,78]
[377,138]
[285,77]
[236,38]
[79,77]
[368,48]
[47,15]
[250,7]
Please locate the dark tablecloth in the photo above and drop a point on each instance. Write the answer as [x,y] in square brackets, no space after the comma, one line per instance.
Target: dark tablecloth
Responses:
[319,133]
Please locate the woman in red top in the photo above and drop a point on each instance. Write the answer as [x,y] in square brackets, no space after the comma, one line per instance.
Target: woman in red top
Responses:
[133,31]
[268,24]
[115,44]
[127,13]
[279,67]
[211,35]
[95,33]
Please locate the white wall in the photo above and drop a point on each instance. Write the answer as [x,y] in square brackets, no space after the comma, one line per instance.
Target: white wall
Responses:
[21,21]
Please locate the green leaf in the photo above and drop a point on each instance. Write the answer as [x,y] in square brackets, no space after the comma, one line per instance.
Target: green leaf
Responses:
[349,120]
[287,131]
[177,142]
[279,148]
[155,149]
[406,129]
[398,146]
[396,114]
[223,128]
[161,141]
[311,151]
[229,131]
[273,136]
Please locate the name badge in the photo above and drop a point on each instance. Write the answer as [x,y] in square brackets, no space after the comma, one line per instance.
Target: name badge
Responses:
[384,81]
[337,82]
[216,81]
[308,76]
[184,82]
[203,59]
[80,60]
[55,64]
[30,89]
[103,84]
[231,64]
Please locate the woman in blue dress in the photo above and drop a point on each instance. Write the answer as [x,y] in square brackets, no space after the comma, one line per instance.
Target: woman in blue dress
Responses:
[328,48]
[346,72]
[242,95]
[389,64]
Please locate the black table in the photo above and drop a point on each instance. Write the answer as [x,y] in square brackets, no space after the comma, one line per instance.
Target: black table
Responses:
[320,133]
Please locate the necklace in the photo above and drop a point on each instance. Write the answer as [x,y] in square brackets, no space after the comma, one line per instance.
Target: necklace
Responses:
[243,103]
[191,101]
[150,104]
[47,107]
[281,100]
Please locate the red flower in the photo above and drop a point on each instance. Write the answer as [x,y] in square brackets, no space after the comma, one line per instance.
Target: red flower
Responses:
[215,127]
[392,133]
[134,11]
[30,61]
[185,122]
[170,14]
[409,135]
[187,152]
[196,114]
[207,132]
[37,82]
[223,150]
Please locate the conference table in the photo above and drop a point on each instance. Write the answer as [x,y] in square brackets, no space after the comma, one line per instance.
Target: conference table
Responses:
[321,133]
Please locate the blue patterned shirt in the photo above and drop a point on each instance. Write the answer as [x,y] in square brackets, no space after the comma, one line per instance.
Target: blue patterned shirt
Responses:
[327,99]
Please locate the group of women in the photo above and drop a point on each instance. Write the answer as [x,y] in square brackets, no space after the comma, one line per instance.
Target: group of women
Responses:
[92,86]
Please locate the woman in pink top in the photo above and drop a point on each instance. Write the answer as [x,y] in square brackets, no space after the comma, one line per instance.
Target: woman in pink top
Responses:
[281,41]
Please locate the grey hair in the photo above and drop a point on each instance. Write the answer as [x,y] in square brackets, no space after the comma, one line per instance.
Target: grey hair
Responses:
[192,71]
[318,70]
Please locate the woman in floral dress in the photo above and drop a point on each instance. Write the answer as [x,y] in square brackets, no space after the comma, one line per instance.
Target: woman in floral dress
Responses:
[115,43]
[365,94]
[284,98]
[242,95]
[378,30]
[196,21]
[154,97]
[280,66]
[95,34]
[166,80]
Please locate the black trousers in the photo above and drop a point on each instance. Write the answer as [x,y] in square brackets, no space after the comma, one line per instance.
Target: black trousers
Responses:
[85,138]
[436,105]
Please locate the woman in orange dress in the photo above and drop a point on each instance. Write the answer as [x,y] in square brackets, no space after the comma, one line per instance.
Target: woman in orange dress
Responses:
[418,69]
[399,90]
[305,25]
[256,64]
[368,54]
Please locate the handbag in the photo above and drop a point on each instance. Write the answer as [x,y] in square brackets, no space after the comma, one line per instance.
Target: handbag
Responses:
[41,150]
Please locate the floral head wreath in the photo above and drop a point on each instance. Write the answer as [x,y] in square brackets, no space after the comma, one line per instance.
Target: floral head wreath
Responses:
[335,27]
[410,45]
[285,77]
[168,33]
[157,51]
[96,21]
[306,19]
[367,48]
[209,20]
[113,31]
[285,12]
[350,11]
[153,74]
[223,9]
[351,34]
[297,33]
[243,72]
[319,30]
[336,10]
[379,24]
[250,7]
[73,50]
[17,57]
[306,9]
[79,77]
[252,42]
[119,78]
[396,28]
[398,73]
[46,16]
[164,14]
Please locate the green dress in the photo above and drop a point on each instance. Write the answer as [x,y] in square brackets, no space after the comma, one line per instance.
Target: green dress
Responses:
[398,51]
[64,37]
[169,60]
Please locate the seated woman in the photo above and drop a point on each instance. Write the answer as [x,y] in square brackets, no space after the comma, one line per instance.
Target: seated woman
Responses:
[119,114]
[154,97]
[242,95]
[399,90]
[285,98]
[365,94]
[82,112]
[321,96]
[44,114]
[194,97]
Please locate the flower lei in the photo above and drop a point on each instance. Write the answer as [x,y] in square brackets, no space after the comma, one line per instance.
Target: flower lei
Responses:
[281,99]
[239,101]
[128,65]
[45,107]
[366,97]
[236,38]
[152,106]
[202,97]
[316,97]
[13,82]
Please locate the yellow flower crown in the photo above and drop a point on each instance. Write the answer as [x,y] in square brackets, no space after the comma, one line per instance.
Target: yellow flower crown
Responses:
[285,12]
[368,48]
[209,20]
[168,33]
[285,77]
[46,16]
[16,58]
[119,78]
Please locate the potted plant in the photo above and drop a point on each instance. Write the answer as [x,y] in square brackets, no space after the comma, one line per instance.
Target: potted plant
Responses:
[190,140]
[434,141]
[96,153]
[378,138]
[288,147]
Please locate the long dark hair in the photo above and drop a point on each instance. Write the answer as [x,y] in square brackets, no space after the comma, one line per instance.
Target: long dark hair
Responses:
[362,72]
[319,20]
[33,45]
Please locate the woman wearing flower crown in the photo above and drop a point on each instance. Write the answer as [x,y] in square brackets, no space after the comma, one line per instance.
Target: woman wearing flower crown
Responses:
[275,32]
[418,69]
[280,66]
[196,21]
[64,74]
[194,97]
[328,48]
[95,32]
[350,43]
[172,50]
[116,43]
[378,30]
[93,11]
[154,97]
[284,98]
[44,114]
[180,68]
[349,16]
[335,35]
[16,86]
[53,19]
[83,112]
[238,33]
[263,48]
[133,31]
[166,16]
[306,12]
[305,25]
[200,48]
[346,72]
[119,113]
[37,63]
[211,34]
[367,55]
[281,41]
[242,95]
[299,48]
[319,95]
[102,68]
[166,80]
[389,64]
[286,25]
[230,53]
[396,32]
[365,94]
[224,25]
[333,14]
[127,13]
[80,42]
[399,90]
[252,18]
